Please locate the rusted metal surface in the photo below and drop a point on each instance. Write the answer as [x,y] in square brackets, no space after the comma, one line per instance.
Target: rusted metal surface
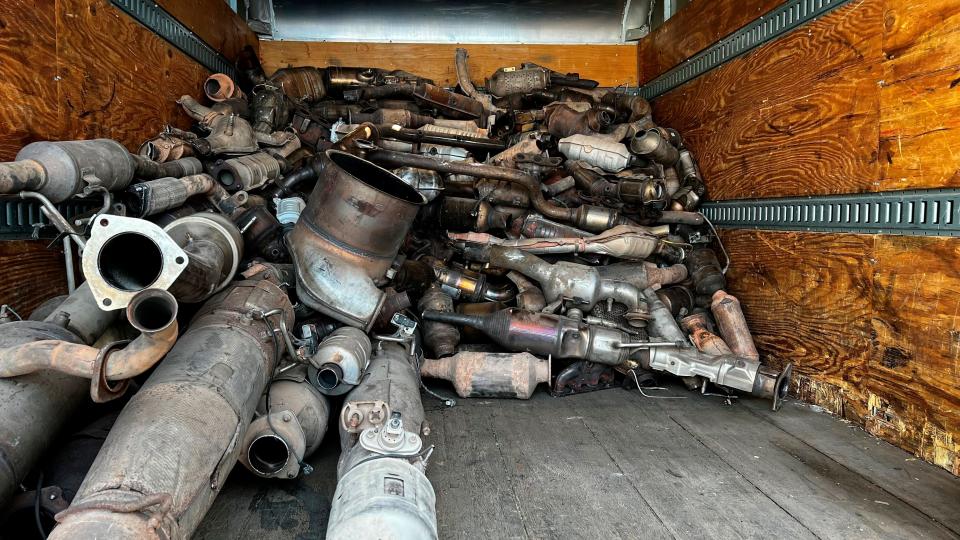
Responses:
[733,325]
[153,312]
[41,400]
[220,87]
[703,339]
[623,241]
[563,121]
[544,334]
[301,83]
[494,375]
[348,237]
[453,105]
[165,147]
[196,406]
[441,339]
[583,376]
[529,296]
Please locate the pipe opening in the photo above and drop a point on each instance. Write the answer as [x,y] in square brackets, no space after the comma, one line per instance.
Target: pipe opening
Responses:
[227,178]
[646,143]
[268,454]
[212,87]
[376,177]
[605,118]
[151,151]
[151,311]
[328,376]
[130,262]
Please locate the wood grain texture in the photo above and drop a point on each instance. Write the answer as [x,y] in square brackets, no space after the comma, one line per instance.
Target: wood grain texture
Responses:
[31,274]
[617,464]
[871,324]
[28,71]
[797,116]
[694,28]
[920,96]
[611,65]
[864,99]
[215,23]
[80,69]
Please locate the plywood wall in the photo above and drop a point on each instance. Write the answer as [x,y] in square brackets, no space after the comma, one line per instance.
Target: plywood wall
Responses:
[611,65]
[80,69]
[864,99]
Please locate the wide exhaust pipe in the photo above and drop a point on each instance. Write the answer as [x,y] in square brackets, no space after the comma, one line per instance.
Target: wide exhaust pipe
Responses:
[171,449]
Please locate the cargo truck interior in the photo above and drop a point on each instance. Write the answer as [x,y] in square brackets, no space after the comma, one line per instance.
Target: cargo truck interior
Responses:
[806,117]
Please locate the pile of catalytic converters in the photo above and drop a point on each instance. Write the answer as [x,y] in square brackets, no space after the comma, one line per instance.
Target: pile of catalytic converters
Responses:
[328,240]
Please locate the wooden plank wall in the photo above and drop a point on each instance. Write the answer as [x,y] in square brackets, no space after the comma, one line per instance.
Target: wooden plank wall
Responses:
[80,69]
[864,99]
[611,65]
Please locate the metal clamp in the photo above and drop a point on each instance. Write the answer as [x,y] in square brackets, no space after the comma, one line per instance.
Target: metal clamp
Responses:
[100,389]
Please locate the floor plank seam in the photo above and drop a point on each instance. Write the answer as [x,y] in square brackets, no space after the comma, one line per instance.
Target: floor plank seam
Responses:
[741,475]
[623,472]
[857,473]
[507,470]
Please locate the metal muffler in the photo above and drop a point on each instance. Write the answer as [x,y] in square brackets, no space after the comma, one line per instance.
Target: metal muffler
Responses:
[348,237]
[37,406]
[490,374]
[291,422]
[340,361]
[176,441]
[382,490]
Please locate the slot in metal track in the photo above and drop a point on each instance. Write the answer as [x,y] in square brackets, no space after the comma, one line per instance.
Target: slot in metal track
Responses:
[23,220]
[926,212]
[165,25]
[768,27]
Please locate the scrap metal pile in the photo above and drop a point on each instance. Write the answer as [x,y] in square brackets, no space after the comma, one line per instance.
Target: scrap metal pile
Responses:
[329,240]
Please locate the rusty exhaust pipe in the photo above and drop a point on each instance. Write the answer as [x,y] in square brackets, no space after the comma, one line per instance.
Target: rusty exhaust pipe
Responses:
[171,449]
[158,196]
[153,312]
[220,87]
[703,339]
[440,338]
[348,237]
[623,241]
[591,218]
[733,325]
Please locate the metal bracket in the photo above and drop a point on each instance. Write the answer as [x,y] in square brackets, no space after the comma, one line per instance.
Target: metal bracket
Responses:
[165,25]
[23,220]
[924,212]
[767,27]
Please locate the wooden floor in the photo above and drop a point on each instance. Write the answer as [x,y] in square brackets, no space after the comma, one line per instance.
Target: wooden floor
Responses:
[618,464]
